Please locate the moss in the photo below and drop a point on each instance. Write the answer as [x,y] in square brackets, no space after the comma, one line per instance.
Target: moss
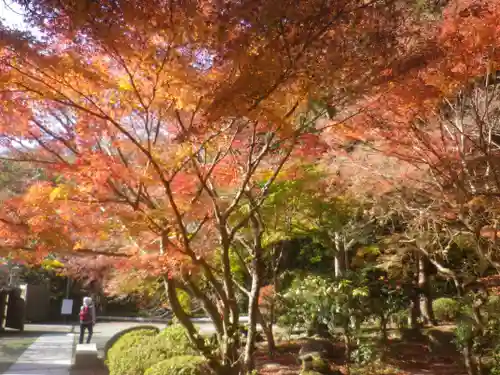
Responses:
[320,365]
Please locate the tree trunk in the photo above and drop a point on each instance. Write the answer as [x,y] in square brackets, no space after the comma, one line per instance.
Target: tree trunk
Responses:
[459,287]
[253,311]
[339,258]
[383,327]
[268,331]
[355,323]
[220,368]
[425,298]
[444,271]
[414,311]
[268,328]
[347,347]
[470,364]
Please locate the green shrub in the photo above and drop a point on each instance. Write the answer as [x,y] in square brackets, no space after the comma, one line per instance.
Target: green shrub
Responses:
[495,365]
[365,353]
[137,351]
[400,319]
[174,340]
[492,307]
[140,329]
[129,340]
[446,309]
[320,365]
[181,365]
[464,333]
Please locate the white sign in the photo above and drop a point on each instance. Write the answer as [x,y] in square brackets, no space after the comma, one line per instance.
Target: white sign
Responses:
[67,307]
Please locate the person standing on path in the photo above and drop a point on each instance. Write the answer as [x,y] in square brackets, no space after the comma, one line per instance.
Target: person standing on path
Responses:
[87,319]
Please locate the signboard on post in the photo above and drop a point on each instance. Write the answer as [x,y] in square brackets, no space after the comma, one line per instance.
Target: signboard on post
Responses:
[67,307]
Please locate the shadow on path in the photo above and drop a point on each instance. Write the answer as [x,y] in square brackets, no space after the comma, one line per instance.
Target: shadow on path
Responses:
[23,368]
[37,350]
[46,369]
[12,346]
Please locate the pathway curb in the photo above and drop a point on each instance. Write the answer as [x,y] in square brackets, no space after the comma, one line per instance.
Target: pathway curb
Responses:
[131,319]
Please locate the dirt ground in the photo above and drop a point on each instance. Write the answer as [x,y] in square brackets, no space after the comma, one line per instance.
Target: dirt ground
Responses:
[401,358]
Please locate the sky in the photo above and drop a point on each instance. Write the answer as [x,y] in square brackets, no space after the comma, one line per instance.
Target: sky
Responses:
[11,15]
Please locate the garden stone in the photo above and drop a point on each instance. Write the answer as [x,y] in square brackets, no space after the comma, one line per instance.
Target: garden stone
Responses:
[320,347]
[317,366]
[314,362]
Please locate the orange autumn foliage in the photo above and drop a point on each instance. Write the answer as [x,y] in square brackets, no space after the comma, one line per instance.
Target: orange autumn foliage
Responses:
[163,125]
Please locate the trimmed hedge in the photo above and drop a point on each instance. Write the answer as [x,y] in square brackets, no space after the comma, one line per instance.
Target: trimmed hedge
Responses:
[181,365]
[123,356]
[137,351]
[118,335]
[446,309]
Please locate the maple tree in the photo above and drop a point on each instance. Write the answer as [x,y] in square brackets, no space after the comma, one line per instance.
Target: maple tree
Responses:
[163,126]
[441,115]
[451,130]
[442,118]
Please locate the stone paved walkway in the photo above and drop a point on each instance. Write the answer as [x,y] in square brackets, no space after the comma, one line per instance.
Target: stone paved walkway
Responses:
[50,354]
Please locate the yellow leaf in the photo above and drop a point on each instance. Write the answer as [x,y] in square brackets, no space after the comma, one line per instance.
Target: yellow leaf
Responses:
[124,84]
[54,194]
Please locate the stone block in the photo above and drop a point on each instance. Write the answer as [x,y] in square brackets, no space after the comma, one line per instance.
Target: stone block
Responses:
[86,357]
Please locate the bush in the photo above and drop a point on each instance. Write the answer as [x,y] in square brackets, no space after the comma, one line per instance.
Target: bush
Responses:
[446,309]
[129,340]
[492,307]
[400,319]
[365,353]
[495,365]
[137,351]
[175,335]
[181,365]
[464,333]
[111,342]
